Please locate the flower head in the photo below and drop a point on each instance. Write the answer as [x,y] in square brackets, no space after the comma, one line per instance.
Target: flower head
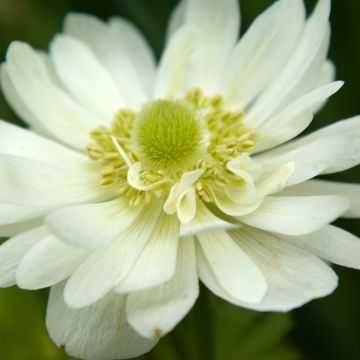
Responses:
[136,179]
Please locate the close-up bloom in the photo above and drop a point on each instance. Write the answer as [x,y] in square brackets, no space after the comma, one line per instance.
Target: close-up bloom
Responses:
[137,179]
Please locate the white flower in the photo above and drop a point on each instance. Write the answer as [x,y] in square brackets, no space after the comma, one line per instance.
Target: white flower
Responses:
[186,174]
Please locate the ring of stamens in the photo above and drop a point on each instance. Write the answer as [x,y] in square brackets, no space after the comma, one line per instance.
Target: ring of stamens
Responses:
[228,137]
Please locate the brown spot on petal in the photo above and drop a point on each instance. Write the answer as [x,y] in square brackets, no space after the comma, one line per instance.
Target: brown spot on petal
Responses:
[157,334]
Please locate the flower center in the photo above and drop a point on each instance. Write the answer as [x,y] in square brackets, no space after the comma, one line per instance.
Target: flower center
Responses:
[145,154]
[167,132]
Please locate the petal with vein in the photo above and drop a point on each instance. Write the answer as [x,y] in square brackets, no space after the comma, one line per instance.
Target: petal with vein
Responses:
[51,109]
[157,261]
[324,187]
[85,77]
[111,51]
[153,313]
[331,243]
[47,263]
[276,31]
[234,270]
[91,226]
[296,215]
[204,221]
[99,331]
[294,276]
[14,249]
[300,73]
[30,183]
[103,270]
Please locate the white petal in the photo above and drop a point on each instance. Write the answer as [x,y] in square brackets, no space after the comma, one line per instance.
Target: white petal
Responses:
[13,250]
[233,269]
[30,183]
[141,54]
[331,243]
[111,51]
[47,263]
[294,119]
[156,263]
[218,23]
[20,142]
[85,77]
[12,213]
[155,312]
[300,73]
[204,221]
[276,181]
[294,276]
[182,197]
[310,159]
[327,75]
[53,110]
[97,332]
[331,149]
[296,215]
[320,187]
[91,226]
[17,103]
[108,265]
[134,176]
[8,230]
[274,32]
[175,62]
[177,19]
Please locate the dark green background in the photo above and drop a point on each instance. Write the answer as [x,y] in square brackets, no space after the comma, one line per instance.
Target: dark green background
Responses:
[324,329]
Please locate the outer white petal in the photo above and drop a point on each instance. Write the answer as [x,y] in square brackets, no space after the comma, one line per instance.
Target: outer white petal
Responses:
[91,226]
[331,149]
[310,159]
[218,23]
[294,119]
[12,214]
[331,243]
[274,32]
[175,65]
[85,77]
[204,221]
[47,263]
[30,183]
[177,19]
[294,276]
[296,215]
[108,265]
[157,261]
[14,249]
[20,142]
[99,331]
[8,230]
[327,75]
[141,53]
[17,103]
[110,49]
[51,109]
[233,269]
[300,73]
[321,187]
[155,312]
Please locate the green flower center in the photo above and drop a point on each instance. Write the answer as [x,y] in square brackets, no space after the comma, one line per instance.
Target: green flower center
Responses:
[167,132]
[169,137]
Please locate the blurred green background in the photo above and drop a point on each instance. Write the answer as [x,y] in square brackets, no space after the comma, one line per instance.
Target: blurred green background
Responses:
[324,329]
